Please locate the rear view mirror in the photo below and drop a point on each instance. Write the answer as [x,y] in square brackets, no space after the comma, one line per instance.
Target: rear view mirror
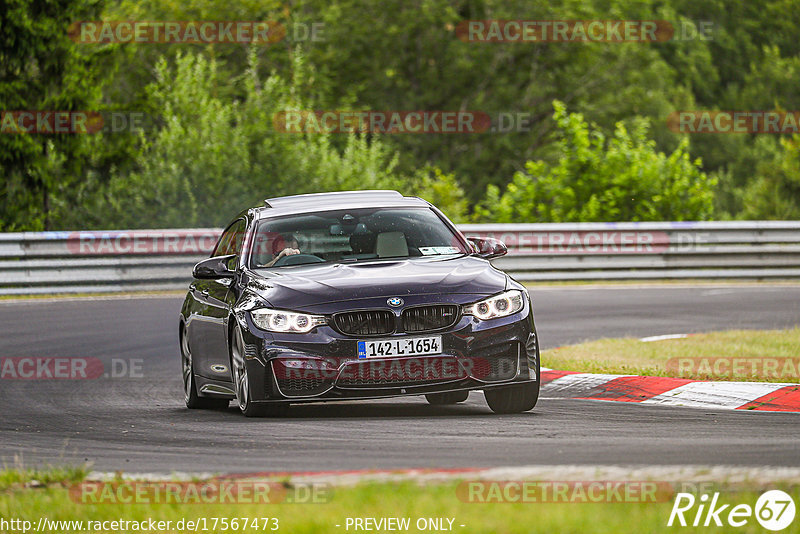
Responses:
[338,229]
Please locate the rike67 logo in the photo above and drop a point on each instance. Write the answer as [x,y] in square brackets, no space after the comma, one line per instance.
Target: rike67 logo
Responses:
[774,510]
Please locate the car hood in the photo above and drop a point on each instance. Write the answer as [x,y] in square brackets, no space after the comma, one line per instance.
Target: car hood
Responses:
[307,286]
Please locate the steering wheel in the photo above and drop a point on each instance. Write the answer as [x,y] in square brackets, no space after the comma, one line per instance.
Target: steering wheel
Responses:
[297,259]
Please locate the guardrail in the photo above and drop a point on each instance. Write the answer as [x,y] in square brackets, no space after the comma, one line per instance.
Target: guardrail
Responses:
[70,262]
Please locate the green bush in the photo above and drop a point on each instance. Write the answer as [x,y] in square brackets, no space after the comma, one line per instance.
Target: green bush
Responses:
[599,178]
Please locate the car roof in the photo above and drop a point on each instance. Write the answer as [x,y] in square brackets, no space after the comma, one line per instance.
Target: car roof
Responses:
[338,200]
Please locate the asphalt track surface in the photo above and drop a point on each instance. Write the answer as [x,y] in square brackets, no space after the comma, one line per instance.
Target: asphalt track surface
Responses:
[139,424]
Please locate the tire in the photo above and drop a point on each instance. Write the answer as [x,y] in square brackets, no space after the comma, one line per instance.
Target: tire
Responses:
[513,399]
[190,396]
[241,383]
[451,397]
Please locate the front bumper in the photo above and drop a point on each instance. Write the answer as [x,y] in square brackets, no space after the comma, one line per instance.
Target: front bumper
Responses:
[323,365]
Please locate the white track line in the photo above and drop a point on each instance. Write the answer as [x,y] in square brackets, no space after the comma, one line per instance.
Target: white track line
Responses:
[662,338]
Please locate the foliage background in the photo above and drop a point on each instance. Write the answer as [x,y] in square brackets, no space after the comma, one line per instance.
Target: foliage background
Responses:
[598,147]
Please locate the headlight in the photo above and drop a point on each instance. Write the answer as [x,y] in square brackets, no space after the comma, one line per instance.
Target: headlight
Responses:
[501,305]
[285,321]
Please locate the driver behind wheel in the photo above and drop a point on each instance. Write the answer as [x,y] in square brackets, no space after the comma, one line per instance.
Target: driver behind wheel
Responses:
[290,247]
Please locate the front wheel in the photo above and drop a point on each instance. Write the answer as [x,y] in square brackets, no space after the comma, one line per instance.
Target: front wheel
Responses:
[241,382]
[190,396]
[513,399]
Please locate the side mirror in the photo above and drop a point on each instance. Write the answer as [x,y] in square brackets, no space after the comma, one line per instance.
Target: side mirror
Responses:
[213,268]
[487,247]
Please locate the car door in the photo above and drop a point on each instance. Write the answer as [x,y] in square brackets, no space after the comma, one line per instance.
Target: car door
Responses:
[207,335]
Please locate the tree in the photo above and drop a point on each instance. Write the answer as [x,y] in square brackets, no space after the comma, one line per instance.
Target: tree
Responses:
[416,61]
[775,192]
[214,156]
[442,190]
[41,69]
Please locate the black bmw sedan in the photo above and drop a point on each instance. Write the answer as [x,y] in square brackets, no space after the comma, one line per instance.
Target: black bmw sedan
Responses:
[354,295]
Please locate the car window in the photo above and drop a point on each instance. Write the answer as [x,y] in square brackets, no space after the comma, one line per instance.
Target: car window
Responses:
[231,240]
[353,235]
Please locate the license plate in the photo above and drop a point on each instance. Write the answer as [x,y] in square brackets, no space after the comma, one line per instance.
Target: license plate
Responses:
[391,348]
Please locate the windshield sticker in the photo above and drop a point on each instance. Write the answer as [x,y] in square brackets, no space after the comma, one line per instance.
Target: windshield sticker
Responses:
[434,251]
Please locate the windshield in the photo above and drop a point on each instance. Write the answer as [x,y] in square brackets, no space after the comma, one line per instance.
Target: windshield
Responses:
[351,236]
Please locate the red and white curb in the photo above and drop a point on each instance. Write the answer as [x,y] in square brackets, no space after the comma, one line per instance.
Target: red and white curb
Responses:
[756,396]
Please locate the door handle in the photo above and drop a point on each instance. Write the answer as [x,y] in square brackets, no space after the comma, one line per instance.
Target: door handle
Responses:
[192,287]
[204,292]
